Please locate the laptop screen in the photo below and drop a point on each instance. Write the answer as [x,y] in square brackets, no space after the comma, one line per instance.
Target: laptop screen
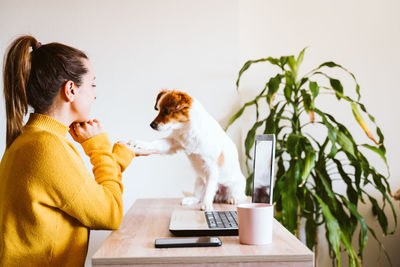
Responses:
[264,155]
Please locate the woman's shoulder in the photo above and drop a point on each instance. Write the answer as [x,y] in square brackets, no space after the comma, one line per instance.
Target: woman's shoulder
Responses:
[37,141]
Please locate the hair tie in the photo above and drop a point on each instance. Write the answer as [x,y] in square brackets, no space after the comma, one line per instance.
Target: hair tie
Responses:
[37,46]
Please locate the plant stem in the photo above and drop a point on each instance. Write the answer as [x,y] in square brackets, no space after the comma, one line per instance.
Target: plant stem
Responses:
[296,113]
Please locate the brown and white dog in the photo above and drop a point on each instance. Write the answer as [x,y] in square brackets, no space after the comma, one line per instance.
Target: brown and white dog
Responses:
[210,150]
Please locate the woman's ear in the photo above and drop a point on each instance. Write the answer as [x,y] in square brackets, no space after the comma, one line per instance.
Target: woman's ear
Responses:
[70,90]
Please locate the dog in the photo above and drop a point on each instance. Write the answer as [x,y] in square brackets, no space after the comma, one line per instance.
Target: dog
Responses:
[211,152]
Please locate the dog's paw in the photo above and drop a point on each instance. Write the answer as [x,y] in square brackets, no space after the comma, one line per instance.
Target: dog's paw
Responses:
[232,201]
[206,206]
[189,201]
[138,144]
[140,147]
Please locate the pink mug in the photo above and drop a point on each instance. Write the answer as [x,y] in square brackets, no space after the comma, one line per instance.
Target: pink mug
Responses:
[255,223]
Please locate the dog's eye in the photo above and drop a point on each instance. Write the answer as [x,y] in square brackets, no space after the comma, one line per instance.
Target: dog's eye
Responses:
[166,112]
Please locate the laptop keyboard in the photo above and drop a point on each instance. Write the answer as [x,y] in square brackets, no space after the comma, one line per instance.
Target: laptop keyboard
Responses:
[222,219]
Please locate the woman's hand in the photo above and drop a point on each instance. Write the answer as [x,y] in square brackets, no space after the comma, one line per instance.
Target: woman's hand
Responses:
[82,131]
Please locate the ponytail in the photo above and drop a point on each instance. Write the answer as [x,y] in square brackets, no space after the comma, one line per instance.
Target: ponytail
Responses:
[35,78]
[16,72]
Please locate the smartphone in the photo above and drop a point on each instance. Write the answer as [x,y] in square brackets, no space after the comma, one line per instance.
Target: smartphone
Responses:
[203,241]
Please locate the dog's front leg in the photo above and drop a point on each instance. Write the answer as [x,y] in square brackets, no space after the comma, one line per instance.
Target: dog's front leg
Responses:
[165,146]
[162,146]
[210,190]
[192,199]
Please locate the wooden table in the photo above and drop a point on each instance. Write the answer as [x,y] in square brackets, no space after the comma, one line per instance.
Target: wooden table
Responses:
[148,219]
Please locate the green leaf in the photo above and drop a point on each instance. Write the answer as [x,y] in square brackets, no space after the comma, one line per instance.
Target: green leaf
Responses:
[363,232]
[309,164]
[311,229]
[314,89]
[287,91]
[352,194]
[277,119]
[289,199]
[299,59]
[386,197]
[346,143]
[381,139]
[303,80]
[249,184]
[293,66]
[292,144]
[311,213]
[308,102]
[325,189]
[290,80]
[378,130]
[279,183]
[337,87]
[283,61]
[381,214]
[235,117]
[331,132]
[378,151]
[247,65]
[336,235]
[239,113]
[273,86]
[333,229]
[331,64]
[270,121]
[250,138]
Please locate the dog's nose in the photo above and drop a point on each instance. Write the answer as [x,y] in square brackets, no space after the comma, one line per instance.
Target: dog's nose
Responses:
[153,125]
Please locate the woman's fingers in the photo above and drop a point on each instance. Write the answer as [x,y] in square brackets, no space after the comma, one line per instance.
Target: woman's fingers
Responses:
[84,126]
[81,131]
[97,124]
[73,133]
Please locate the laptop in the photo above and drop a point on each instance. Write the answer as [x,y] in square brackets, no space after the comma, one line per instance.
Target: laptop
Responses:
[224,223]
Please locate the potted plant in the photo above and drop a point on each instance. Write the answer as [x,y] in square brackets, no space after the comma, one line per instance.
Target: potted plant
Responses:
[308,167]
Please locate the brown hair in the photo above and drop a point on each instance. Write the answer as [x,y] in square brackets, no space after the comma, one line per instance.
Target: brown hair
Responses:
[34,77]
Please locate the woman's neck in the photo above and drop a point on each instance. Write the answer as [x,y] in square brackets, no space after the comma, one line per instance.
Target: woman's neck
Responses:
[60,115]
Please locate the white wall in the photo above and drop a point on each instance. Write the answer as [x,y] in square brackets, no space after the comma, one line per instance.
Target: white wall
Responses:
[139,47]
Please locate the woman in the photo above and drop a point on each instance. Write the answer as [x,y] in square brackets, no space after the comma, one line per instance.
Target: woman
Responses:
[48,199]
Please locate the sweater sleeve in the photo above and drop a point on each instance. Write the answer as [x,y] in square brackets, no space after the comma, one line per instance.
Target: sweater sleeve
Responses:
[96,203]
[123,155]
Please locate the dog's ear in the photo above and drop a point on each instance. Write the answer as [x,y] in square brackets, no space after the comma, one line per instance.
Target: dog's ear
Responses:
[184,101]
[160,94]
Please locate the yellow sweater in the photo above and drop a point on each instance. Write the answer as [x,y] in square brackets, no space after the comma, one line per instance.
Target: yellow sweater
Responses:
[48,199]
